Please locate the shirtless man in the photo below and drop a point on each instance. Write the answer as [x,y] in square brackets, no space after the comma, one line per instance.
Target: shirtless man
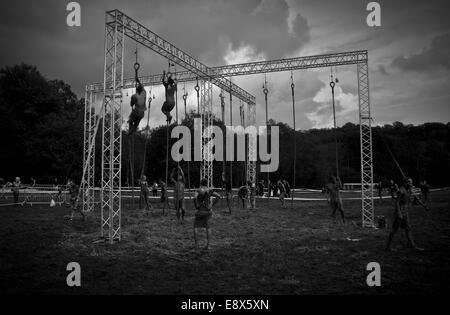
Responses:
[178,182]
[138,108]
[144,193]
[203,204]
[243,195]
[74,192]
[334,194]
[282,195]
[170,86]
[403,203]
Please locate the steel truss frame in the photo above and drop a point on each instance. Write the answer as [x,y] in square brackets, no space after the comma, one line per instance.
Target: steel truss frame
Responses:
[119,25]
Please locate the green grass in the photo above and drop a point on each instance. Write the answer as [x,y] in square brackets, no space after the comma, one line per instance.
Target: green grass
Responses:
[265,251]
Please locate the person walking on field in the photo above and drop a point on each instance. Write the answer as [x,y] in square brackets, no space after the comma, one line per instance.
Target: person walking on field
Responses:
[333,188]
[403,202]
[204,205]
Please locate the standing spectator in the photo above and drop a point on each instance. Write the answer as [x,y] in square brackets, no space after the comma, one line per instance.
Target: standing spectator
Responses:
[143,196]
[15,190]
[282,190]
[155,189]
[269,188]
[393,188]
[275,189]
[243,194]
[74,192]
[379,187]
[261,188]
[287,187]
[33,182]
[424,190]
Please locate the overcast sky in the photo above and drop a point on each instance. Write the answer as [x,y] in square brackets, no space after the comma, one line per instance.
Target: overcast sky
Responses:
[408,55]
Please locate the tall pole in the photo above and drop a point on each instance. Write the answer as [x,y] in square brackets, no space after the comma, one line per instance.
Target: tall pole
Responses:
[222,105]
[231,125]
[266,91]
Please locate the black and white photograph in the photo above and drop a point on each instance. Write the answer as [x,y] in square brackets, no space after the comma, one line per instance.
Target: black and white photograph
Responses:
[223,153]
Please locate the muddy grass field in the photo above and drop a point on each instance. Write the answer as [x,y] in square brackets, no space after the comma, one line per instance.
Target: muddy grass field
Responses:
[270,250]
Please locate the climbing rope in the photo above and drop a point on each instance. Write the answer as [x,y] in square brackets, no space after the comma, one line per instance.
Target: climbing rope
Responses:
[295,136]
[185,95]
[390,152]
[332,85]
[147,132]
[197,89]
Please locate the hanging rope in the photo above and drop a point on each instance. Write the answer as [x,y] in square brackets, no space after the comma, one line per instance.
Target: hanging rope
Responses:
[147,133]
[167,153]
[390,153]
[332,85]
[197,89]
[295,136]
[222,106]
[185,95]
[241,107]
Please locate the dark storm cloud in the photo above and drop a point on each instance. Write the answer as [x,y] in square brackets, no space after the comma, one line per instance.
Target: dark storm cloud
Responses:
[434,57]
[209,28]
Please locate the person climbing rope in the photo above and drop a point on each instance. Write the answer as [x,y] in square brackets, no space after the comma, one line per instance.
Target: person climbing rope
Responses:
[203,204]
[170,87]
[403,203]
[138,106]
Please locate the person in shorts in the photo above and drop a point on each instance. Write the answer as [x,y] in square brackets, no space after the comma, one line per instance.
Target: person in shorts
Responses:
[204,204]
[403,203]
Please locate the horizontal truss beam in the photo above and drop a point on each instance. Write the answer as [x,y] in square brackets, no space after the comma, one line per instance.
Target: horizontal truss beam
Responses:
[142,35]
[288,64]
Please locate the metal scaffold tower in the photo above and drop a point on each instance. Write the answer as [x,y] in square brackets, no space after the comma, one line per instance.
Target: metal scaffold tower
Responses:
[206,101]
[365,125]
[119,26]
[110,193]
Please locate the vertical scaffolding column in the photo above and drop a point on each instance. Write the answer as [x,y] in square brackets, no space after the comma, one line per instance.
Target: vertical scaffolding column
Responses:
[112,133]
[252,140]
[366,145]
[88,180]
[206,171]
